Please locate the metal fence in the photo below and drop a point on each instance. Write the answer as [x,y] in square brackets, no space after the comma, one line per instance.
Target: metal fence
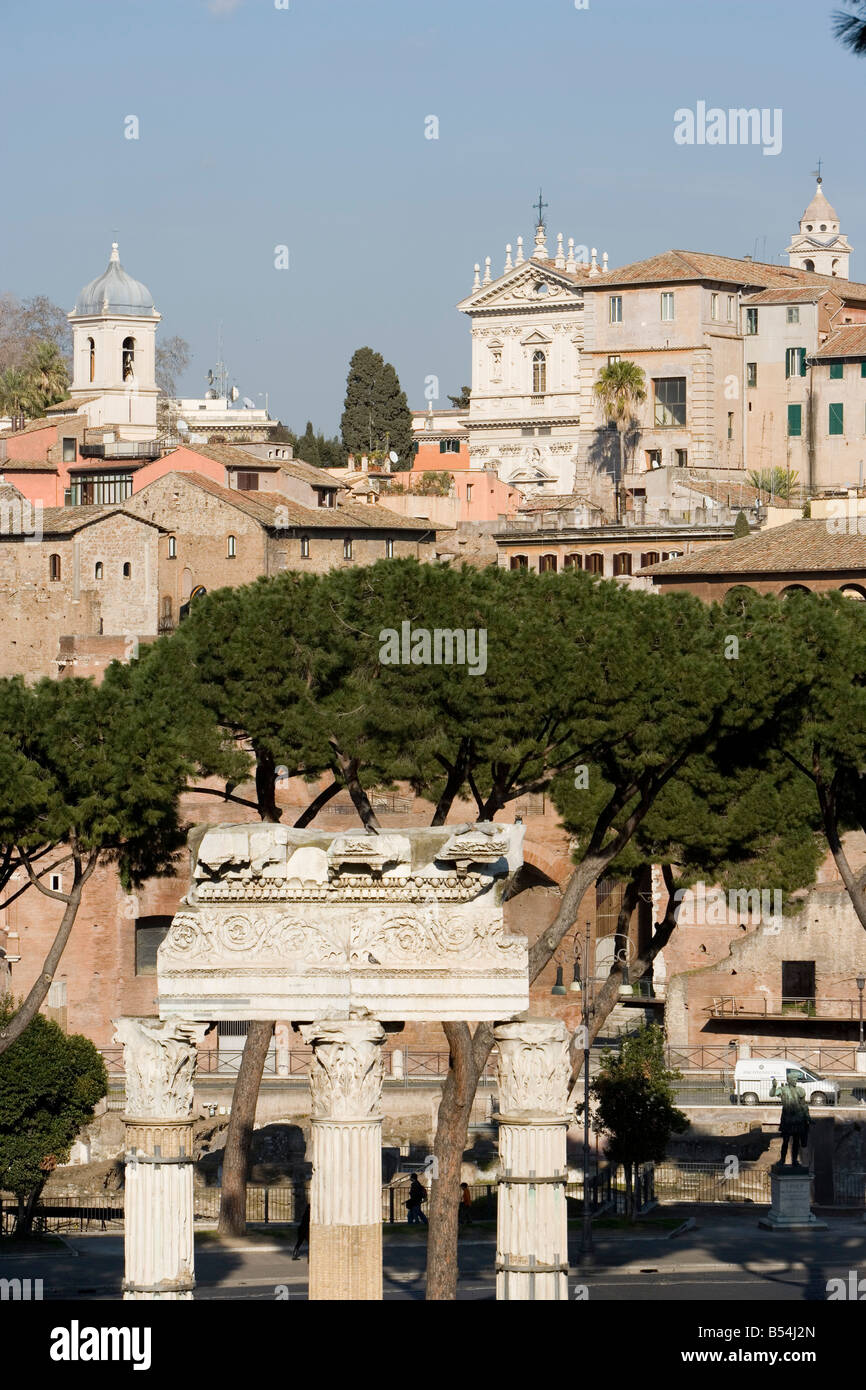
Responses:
[712,1182]
[849,1188]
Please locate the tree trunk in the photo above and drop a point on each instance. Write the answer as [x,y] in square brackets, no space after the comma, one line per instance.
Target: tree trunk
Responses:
[315,806]
[452,1129]
[628,1169]
[266,786]
[349,768]
[236,1156]
[32,1004]
[27,1211]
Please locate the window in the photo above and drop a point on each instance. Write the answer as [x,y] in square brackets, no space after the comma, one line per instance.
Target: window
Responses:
[55,883]
[793,314]
[795,421]
[127,570]
[539,373]
[305,547]
[172,547]
[519,562]
[469,487]
[653,458]
[837,371]
[547,564]
[808,265]
[670,406]
[837,419]
[667,307]
[451,446]
[231,547]
[95,489]
[325,497]
[91,355]
[54,568]
[128,358]
[614,357]
[730,424]
[149,933]
[614,308]
[731,304]
[70,450]
[751,321]
[751,373]
[795,362]
[622,563]
[651,557]
[594,564]
[97,570]
[572,562]
[798,980]
[681,458]
[247,482]
[389,549]
[347,548]
[714,306]
[496,366]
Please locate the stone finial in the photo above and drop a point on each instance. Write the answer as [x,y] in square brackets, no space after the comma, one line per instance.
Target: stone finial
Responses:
[539,252]
[604,264]
[115,252]
[560,254]
[487,276]
[519,260]
[593,269]
[476,283]
[159,1060]
[570,263]
[509,264]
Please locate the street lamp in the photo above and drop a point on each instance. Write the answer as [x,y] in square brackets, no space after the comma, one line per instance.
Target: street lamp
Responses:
[860,982]
[586,1234]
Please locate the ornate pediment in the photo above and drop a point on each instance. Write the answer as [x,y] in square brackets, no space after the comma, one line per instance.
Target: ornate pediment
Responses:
[532,284]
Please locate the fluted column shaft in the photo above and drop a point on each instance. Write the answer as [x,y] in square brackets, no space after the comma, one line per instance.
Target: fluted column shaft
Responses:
[159,1060]
[533,1073]
[346,1189]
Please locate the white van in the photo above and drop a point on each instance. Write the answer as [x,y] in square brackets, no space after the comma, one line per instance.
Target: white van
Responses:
[754,1077]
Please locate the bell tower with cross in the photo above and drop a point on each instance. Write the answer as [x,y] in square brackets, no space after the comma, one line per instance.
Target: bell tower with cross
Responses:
[819,245]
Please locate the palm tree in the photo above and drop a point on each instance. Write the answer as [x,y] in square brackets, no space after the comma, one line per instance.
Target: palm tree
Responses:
[15,393]
[850,29]
[47,374]
[620,387]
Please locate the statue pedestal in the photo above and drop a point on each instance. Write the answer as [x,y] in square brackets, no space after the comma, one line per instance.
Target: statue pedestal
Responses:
[790,1208]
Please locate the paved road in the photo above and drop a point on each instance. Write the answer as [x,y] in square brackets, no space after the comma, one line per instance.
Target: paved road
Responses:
[726,1258]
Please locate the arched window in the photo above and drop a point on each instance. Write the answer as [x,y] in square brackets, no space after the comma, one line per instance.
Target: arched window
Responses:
[809,265]
[520,562]
[650,558]
[54,567]
[172,547]
[547,564]
[127,570]
[231,547]
[594,564]
[853,591]
[91,353]
[572,562]
[622,563]
[539,373]
[128,358]
[97,570]
[794,589]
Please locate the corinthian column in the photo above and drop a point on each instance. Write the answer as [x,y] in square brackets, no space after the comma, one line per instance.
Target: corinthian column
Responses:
[159,1059]
[346,1191]
[533,1074]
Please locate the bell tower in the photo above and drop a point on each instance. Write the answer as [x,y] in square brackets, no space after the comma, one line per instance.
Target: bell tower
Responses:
[114,352]
[819,245]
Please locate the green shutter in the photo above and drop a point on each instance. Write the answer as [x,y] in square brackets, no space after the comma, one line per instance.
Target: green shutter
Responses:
[802,352]
[837,419]
[795,421]
[836,371]
[863,368]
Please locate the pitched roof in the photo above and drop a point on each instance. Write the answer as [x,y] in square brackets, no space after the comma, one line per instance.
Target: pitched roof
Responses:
[65,521]
[26,465]
[69,406]
[820,208]
[262,507]
[799,547]
[234,456]
[30,428]
[797,294]
[558,502]
[693,266]
[848,341]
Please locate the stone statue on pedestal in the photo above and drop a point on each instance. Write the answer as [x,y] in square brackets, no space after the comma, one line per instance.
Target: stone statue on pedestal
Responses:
[794,1124]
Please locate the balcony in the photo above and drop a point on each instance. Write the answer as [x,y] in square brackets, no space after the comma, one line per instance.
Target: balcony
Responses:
[757,1006]
[121,449]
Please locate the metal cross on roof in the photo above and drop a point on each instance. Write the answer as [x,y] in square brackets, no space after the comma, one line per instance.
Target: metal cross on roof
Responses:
[540,206]
[817,172]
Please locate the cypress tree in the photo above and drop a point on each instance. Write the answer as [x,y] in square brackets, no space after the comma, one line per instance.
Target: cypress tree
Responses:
[376,416]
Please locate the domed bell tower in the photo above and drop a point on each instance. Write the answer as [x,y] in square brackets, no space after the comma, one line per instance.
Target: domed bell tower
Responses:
[114,352]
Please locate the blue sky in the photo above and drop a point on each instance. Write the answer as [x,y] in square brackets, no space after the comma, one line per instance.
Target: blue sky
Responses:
[305,127]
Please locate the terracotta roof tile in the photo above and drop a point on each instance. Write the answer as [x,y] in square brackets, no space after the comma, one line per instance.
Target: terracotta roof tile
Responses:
[26,465]
[799,547]
[848,341]
[693,266]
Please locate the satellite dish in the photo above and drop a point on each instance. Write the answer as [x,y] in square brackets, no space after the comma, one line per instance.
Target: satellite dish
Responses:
[210,378]
[393,457]
[248,404]
[234,393]
[211,395]
[183,427]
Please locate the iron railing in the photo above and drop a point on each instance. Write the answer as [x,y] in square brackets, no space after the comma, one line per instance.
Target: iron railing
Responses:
[731,1005]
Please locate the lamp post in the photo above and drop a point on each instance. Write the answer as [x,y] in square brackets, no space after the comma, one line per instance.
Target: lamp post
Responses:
[586,1234]
[860,982]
